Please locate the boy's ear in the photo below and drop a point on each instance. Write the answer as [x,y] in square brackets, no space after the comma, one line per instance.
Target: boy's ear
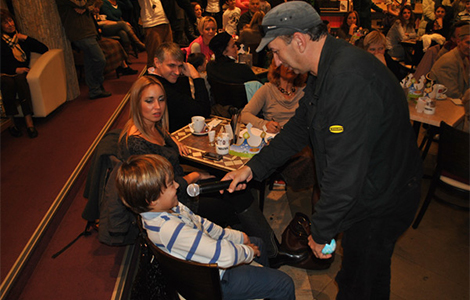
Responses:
[153,203]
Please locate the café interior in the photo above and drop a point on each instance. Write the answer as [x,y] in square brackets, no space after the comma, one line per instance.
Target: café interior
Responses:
[43,182]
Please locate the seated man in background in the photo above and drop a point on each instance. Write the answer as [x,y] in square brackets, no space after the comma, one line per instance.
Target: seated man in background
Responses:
[245,18]
[451,69]
[169,65]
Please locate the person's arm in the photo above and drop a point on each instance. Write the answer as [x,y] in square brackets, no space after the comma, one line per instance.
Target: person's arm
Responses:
[254,107]
[428,10]
[375,7]
[35,45]
[447,73]
[189,242]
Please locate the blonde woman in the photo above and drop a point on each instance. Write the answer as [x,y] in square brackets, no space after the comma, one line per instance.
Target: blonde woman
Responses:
[207,28]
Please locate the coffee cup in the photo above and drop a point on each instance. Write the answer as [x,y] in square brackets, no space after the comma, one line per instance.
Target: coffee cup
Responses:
[439,91]
[198,124]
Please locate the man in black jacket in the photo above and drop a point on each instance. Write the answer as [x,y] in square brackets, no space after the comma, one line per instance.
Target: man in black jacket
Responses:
[169,65]
[355,116]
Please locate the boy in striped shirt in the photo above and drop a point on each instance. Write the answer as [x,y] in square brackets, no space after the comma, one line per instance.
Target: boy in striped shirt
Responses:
[146,185]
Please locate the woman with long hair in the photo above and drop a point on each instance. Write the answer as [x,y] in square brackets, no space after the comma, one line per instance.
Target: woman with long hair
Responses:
[403,29]
[146,132]
[349,26]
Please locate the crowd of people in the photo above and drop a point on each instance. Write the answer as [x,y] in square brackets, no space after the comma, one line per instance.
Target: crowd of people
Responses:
[324,100]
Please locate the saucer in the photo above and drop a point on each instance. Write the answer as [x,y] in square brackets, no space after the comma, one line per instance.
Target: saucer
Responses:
[444,96]
[199,133]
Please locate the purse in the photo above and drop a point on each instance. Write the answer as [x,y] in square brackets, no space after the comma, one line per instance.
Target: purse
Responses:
[295,241]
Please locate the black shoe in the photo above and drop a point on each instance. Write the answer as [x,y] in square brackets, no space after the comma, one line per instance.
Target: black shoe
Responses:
[103,94]
[14,131]
[284,258]
[32,132]
[126,71]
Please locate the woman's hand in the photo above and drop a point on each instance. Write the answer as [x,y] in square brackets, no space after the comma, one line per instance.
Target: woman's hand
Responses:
[204,175]
[21,36]
[22,70]
[352,29]
[273,127]
[183,150]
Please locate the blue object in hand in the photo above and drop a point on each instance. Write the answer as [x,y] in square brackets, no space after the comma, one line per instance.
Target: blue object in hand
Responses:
[329,248]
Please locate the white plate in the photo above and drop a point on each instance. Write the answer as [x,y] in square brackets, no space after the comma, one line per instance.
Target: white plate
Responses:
[442,98]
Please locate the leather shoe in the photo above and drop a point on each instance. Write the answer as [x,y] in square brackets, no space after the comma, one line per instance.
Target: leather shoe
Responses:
[284,258]
[14,131]
[103,94]
[32,132]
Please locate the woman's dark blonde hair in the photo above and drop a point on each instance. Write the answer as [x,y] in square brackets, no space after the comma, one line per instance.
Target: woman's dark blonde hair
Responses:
[274,76]
[203,22]
[374,37]
[135,116]
[256,20]
[141,179]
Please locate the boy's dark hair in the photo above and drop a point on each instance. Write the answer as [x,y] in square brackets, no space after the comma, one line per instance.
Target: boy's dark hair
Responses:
[196,59]
[141,180]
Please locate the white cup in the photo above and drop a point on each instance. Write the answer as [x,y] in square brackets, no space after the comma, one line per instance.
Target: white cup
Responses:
[222,143]
[197,124]
[439,91]
[420,104]
[430,107]
[211,135]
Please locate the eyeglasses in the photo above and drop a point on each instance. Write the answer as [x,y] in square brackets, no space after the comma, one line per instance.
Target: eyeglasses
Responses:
[264,29]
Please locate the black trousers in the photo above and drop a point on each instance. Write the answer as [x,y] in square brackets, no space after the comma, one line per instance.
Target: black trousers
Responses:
[12,86]
[368,247]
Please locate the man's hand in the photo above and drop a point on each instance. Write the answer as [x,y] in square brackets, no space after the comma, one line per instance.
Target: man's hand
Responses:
[242,174]
[189,71]
[317,248]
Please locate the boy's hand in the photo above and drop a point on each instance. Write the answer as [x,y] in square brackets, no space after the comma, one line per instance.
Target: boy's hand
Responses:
[246,239]
[255,249]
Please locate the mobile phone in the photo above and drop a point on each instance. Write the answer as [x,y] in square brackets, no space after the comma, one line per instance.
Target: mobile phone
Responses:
[212,155]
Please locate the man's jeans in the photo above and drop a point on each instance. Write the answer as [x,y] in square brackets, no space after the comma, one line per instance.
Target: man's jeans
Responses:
[94,63]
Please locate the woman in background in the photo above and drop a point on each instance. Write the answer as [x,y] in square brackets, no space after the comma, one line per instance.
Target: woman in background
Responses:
[349,26]
[375,43]
[403,29]
[16,54]
[208,29]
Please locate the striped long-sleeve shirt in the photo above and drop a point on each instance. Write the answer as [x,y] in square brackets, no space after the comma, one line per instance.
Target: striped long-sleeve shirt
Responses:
[188,236]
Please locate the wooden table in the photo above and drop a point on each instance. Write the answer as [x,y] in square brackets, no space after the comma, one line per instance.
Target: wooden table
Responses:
[259,71]
[199,144]
[446,111]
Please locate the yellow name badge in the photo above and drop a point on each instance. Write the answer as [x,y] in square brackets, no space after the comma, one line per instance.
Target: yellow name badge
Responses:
[336,129]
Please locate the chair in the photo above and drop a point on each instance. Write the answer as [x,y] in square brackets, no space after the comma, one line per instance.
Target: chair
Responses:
[233,94]
[452,170]
[47,82]
[192,280]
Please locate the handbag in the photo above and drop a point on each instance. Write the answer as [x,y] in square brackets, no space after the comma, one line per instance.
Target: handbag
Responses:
[295,241]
